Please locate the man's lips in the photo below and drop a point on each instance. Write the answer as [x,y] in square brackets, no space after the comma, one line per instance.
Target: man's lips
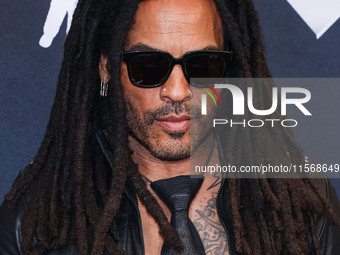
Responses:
[174,123]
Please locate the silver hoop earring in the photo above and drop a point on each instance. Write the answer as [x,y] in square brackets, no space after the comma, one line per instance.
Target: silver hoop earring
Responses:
[103,89]
[190,93]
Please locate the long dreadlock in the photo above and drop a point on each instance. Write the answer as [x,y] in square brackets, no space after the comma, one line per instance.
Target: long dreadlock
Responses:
[74,195]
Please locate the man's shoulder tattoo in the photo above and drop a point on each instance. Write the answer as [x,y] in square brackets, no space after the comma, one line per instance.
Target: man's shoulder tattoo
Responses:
[210,229]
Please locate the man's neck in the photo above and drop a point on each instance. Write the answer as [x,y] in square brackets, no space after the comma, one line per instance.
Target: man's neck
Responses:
[155,169]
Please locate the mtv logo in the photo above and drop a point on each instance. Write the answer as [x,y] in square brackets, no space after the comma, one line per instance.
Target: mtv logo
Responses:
[319,15]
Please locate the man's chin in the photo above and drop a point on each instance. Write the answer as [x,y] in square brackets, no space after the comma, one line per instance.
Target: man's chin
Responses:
[167,155]
[175,149]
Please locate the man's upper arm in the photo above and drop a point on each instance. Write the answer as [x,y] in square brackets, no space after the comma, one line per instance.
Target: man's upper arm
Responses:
[10,228]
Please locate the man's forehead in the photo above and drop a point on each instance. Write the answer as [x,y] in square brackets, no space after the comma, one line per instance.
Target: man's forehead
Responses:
[158,22]
[178,7]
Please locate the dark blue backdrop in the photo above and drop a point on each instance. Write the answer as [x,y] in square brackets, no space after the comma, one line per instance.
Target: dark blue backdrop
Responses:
[29,73]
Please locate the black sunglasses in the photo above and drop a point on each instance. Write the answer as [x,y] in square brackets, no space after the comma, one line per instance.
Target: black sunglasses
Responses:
[150,69]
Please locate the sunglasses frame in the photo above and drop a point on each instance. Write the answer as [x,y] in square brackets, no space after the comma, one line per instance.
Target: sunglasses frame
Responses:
[128,56]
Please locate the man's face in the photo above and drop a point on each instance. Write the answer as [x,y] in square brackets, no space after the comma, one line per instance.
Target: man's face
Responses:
[159,118]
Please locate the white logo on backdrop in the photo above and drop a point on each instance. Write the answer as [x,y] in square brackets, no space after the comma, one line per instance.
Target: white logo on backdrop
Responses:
[56,14]
[319,15]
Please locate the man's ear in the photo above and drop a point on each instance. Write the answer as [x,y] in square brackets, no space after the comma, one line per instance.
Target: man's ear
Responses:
[103,69]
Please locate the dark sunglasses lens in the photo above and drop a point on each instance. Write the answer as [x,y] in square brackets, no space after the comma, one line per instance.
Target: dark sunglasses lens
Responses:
[149,69]
[210,66]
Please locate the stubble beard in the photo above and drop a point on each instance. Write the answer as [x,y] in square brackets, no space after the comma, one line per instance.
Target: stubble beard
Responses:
[177,147]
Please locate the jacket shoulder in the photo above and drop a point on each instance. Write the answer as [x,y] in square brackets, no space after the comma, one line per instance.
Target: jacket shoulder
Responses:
[10,231]
[328,235]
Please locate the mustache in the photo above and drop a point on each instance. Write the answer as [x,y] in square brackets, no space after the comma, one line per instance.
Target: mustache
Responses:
[171,108]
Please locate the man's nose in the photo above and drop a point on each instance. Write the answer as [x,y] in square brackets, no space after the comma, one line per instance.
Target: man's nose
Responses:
[176,88]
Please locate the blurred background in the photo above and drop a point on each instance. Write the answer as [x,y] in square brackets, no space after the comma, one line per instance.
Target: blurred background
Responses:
[31,49]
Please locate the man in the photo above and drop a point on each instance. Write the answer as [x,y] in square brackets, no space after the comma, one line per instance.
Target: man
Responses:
[115,134]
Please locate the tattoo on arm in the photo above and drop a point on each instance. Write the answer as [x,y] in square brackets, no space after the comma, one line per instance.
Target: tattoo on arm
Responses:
[210,229]
[216,182]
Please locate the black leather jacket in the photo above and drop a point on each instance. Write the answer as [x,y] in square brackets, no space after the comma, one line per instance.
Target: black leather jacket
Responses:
[129,223]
